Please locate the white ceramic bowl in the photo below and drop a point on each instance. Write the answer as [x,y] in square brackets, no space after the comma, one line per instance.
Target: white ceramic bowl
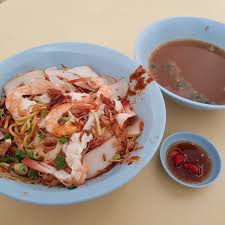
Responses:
[179,28]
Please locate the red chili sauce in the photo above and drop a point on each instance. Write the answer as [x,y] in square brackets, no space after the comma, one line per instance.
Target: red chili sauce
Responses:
[188,162]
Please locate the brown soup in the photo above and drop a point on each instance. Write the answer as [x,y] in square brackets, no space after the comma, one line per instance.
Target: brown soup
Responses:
[191,69]
[188,162]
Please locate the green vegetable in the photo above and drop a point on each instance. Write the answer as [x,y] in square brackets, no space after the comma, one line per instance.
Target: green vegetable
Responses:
[117,156]
[95,98]
[5,159]
[71,187]
[33,174]
[1,113]
[20,169]
[8,159]
[63,140]
[66,118]
[41,135]
[30,155]
[44,112]
[19,154]
[7,136]
[13,159]
[30,128]
[59,162]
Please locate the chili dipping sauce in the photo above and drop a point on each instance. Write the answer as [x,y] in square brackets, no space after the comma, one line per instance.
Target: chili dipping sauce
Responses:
[188,162]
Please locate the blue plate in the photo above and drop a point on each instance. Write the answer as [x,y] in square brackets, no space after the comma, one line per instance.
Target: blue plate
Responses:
[179,28]
[150,107]
[201,141]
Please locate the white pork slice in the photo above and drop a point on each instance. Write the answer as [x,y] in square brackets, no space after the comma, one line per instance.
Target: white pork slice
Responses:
[76,96]
[123,117]
[118,106]
[73,151]
[25,79]
[119,89]
[83,71]
[109,80]
[62,73]
[44,98]
[87,72]
[54,76]
[135,129]
[100,158]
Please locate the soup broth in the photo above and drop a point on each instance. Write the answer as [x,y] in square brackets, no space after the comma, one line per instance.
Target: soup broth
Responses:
[191,69]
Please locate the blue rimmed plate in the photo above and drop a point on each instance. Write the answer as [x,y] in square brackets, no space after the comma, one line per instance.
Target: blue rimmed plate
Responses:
[150,107]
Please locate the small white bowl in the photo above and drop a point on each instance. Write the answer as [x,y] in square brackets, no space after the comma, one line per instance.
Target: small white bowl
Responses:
[179,28]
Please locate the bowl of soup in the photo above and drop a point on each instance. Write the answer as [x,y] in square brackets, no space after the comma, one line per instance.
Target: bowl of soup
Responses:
[186,57]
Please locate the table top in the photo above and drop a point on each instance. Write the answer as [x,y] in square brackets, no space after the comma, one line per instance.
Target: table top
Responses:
[151,197]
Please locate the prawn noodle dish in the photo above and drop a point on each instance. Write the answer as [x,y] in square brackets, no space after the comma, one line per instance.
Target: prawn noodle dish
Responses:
[62,126]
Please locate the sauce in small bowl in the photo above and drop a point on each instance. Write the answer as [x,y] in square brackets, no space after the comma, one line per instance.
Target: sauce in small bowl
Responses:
[190,159]
[188,162]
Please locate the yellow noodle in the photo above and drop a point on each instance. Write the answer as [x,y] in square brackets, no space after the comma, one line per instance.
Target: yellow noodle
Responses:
[28,136]
[39,106]
[25,140]
[28,124]
[34,126]
[16,129]
[7,122]
[19,128]
[23,128]
[26,117]
[11,130]
[19,123]
[36,155]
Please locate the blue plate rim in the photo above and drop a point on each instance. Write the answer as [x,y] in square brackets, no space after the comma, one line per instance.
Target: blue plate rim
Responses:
[119,183]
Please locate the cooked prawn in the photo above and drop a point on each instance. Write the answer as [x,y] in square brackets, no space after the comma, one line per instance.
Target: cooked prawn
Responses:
[54,127]
[20,106]
[23,79]
[69,127]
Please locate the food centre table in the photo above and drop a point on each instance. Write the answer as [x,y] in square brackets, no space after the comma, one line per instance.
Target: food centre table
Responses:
[151,197]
